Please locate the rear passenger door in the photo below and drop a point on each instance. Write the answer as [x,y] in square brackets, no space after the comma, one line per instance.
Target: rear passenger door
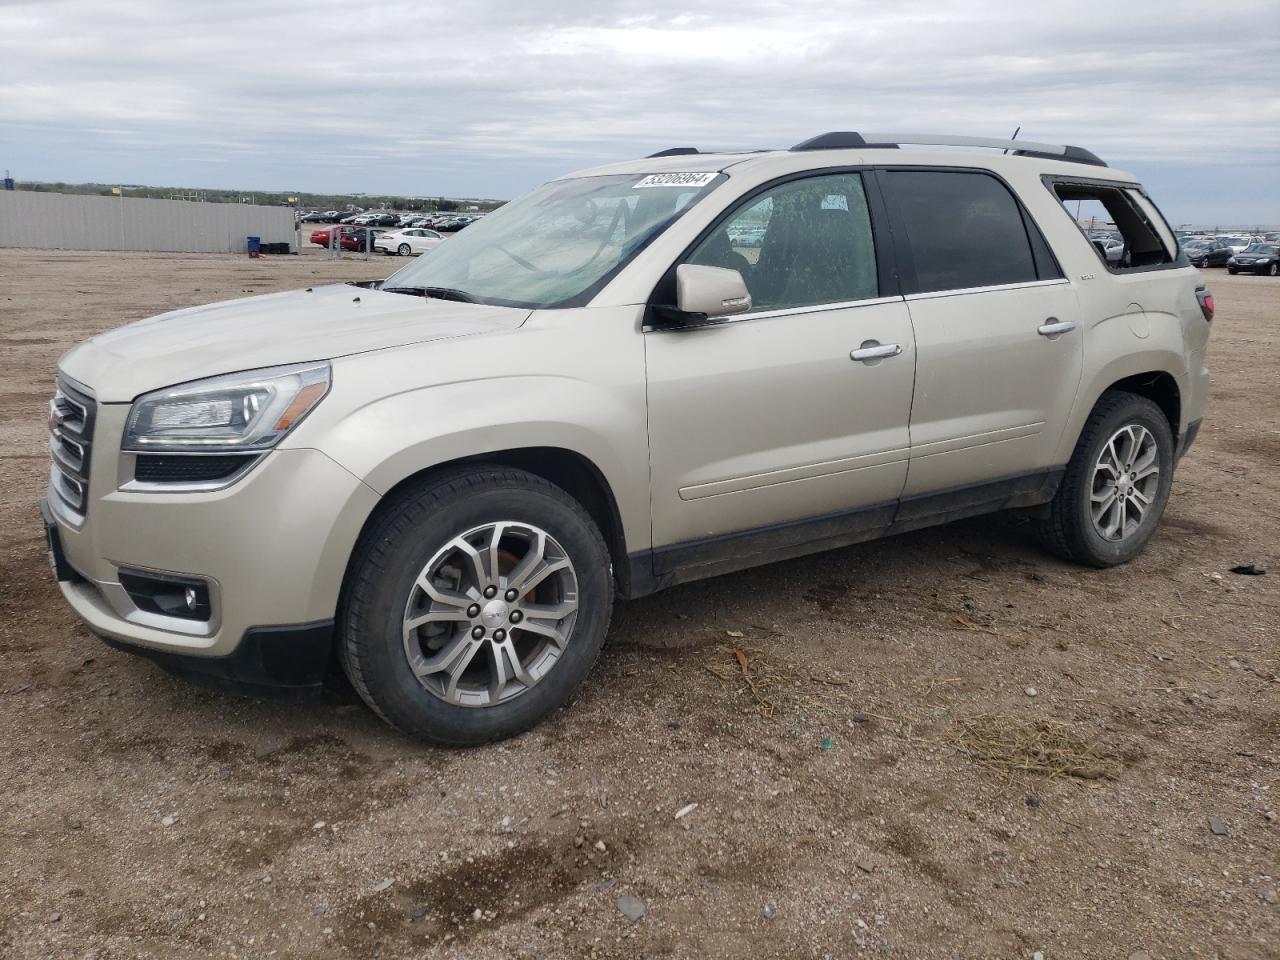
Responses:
[998,343]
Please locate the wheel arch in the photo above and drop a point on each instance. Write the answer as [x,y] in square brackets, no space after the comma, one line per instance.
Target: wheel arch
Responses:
[569,470]
[1160,388]
[1159,376]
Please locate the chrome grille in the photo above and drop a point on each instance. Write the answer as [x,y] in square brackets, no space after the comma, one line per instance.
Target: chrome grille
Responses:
[71,415]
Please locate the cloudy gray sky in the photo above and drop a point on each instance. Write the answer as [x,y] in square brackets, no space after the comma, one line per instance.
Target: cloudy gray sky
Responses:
[489,97]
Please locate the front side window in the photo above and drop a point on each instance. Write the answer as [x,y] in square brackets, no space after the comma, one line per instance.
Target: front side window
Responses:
[966,230]
[802,243]
[555,246]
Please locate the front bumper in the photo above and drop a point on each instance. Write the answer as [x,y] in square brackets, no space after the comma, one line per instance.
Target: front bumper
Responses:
[272,548]
[270,661]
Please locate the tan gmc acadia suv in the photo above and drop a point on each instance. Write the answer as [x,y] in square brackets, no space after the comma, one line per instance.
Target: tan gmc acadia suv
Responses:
[634,376]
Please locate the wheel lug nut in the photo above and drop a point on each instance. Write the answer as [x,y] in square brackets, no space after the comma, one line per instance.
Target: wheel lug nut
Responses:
[516,616]
[490,592]
[473,611]
[512,595]
[477,632]
[499,635]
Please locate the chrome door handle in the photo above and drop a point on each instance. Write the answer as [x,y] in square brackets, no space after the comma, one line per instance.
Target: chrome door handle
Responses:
[871,350]
[1053,327]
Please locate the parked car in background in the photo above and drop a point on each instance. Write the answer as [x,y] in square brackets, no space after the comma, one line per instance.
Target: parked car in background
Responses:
[362,239]
[411,240]
[1236,244]
[312,217]
[455,224]
[1263,258]
[1112,248]
[347,233]
[1207,253]
[321,238]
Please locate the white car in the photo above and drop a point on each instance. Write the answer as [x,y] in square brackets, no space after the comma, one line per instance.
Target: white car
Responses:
[403,243]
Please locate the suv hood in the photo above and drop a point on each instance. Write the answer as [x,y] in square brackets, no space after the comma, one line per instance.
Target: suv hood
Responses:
[279,328]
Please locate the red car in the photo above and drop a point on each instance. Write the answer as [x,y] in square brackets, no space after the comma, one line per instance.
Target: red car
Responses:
[321,237]
[351,238]
[356,240]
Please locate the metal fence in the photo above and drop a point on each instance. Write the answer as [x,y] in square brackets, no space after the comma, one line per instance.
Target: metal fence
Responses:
[62,221]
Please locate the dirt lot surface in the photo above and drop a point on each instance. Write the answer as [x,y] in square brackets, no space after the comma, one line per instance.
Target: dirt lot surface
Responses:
[873,786]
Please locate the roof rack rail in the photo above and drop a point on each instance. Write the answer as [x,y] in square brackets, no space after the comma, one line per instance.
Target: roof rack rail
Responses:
[1021,148]
[674,152]
[837,140]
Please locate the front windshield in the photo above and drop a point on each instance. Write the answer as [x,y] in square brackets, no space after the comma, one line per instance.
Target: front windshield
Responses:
[556,246]
[1264,248]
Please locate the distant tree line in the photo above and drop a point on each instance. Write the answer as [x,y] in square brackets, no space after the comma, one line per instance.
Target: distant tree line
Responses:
[305,201]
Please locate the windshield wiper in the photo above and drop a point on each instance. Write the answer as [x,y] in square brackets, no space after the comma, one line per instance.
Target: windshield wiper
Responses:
[436,293]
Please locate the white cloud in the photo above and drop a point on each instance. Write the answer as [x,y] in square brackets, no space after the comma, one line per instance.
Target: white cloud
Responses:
[489,97]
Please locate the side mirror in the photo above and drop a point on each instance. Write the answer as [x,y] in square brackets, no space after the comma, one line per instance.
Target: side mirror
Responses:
[706,293]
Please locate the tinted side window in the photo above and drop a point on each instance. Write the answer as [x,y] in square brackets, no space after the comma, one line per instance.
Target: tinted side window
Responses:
[964,230]
[802,243]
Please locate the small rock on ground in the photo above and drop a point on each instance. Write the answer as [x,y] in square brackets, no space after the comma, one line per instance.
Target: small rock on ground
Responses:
[632,908]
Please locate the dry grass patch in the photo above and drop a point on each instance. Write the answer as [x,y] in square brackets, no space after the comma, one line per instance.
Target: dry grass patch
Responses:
[1015,747]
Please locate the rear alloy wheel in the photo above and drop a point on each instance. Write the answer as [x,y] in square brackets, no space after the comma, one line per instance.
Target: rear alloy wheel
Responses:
[1273,270]
[1116,484]
[1126,480]
[476,604]
[405,250]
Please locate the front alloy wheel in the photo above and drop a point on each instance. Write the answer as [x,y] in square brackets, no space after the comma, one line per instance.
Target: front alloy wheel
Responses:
[490,614]
[477,601]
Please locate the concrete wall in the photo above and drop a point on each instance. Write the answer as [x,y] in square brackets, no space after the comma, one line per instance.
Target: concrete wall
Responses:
[64,221]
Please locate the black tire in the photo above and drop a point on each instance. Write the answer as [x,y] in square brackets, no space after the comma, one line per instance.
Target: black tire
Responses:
[404,250]
[1232,271]
[1068,530]
[1273,270]
[395,548]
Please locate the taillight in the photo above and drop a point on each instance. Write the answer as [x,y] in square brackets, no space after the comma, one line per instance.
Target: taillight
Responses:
[1206,302]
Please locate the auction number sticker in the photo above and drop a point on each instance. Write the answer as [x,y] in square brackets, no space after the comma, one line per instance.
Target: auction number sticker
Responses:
[676,180]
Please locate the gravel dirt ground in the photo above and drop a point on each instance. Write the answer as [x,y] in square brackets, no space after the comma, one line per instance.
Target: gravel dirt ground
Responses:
[872,774]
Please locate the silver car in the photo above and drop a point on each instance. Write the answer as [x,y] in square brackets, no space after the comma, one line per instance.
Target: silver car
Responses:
[635,376]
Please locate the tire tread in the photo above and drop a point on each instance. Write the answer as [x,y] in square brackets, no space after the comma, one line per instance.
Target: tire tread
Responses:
[1056,530]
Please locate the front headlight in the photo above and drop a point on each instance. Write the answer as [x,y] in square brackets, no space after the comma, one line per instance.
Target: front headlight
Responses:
[239,412]
[1262,261]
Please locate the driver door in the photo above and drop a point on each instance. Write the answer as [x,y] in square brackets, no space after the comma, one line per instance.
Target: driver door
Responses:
[785,428]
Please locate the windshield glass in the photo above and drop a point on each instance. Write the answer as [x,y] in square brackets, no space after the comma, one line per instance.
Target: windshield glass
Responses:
[1265,248]
[556,246]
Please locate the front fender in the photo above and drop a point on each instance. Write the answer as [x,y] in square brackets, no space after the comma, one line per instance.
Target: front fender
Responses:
[471,396]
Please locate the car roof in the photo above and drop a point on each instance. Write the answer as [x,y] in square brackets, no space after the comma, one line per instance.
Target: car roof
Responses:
[941,150]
